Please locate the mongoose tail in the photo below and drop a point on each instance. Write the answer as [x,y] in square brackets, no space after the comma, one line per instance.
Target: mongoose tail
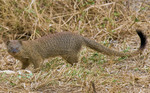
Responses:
[102,49]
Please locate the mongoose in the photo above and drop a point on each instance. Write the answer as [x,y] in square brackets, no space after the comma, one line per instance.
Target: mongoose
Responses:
[64,44]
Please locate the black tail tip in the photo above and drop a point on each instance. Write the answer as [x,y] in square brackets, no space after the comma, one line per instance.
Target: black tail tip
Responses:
[143,38]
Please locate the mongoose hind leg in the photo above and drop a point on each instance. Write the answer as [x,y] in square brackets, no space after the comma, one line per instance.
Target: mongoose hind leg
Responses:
[71,58]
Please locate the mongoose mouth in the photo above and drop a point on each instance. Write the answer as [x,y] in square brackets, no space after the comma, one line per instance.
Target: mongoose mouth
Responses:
[13,52]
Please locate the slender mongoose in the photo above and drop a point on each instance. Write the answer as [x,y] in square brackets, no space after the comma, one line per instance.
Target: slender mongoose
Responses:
[65,44]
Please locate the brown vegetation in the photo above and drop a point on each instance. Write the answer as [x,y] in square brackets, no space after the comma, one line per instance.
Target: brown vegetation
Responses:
[110,22]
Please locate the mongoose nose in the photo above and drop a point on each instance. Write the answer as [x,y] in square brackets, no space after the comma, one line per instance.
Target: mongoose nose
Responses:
[15,50]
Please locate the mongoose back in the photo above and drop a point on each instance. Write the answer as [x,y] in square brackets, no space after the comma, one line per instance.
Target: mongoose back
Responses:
[65,44]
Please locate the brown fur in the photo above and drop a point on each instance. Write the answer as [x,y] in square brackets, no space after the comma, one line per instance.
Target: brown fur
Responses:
[65,44]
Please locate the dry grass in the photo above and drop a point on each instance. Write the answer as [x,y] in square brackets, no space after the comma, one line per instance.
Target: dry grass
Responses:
[110,22]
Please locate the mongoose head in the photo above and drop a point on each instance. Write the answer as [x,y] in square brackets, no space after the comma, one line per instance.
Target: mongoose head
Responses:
[13,46]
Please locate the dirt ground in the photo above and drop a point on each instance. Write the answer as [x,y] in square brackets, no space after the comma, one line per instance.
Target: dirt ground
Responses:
[112,23]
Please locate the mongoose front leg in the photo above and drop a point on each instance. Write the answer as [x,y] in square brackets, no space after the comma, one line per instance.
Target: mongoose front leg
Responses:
[71,58]
[37,64]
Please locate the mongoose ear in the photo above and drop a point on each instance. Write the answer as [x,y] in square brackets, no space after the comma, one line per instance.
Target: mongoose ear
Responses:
[7,42]
[20,42]
[5,39]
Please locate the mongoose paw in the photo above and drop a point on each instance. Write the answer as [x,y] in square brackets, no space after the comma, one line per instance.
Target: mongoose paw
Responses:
[36,70]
